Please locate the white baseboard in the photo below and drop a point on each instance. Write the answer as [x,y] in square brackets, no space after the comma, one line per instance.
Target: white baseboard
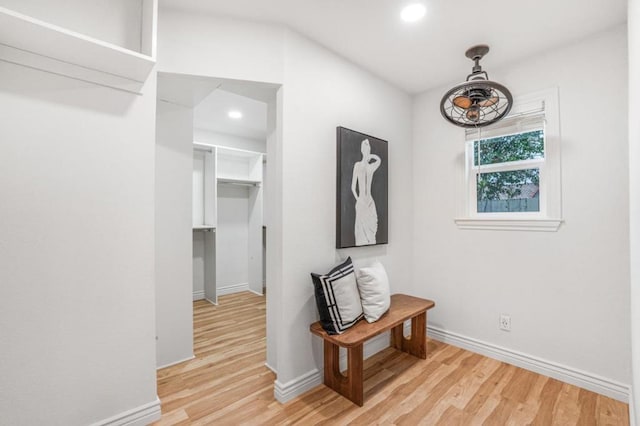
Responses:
[266,364]
[632,411]
[286,391]
[176,362]
[198,295]
[560,372]
[621,392]
[234,288]
[139,416]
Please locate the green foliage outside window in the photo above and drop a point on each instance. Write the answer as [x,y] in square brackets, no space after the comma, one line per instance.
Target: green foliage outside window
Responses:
[503,149]
[505,191]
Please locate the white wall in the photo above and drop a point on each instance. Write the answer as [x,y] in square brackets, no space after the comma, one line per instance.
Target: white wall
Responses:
[199,44]
[76,252]
[230,141]
[273,222]
[634,195]
[198,191]
[198,265]
[113,21]
[246,51]
[173,234]
[232,235]
[197,213]
[321,91]
[567,292]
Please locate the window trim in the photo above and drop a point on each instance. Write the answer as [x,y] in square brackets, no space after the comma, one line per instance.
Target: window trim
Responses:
[504,224]
[549,218]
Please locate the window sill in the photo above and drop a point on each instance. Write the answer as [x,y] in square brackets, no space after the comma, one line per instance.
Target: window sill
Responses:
[495,224]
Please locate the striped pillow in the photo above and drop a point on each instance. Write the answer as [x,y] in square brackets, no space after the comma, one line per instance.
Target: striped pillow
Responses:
[337,298]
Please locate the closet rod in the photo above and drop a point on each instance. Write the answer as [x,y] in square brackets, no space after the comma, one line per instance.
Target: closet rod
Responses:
[238,183]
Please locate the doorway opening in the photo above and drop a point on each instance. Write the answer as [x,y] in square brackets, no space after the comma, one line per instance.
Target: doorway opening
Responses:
[216,162]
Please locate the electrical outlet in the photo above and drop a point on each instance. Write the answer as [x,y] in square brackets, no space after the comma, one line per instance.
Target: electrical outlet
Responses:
[505,322]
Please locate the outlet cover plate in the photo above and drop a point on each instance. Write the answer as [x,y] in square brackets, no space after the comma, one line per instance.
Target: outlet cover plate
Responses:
[505,322]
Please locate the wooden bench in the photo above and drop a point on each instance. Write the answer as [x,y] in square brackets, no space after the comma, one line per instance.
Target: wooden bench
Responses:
[402,308]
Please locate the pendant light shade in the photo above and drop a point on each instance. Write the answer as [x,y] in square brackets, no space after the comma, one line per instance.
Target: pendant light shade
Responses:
[478,101]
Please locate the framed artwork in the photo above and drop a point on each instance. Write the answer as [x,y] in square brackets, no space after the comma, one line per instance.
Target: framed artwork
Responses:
[362,190]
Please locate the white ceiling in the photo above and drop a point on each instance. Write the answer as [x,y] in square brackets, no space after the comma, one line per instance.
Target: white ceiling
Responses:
[185,90]
[212,114]
[213,98]
[430,52]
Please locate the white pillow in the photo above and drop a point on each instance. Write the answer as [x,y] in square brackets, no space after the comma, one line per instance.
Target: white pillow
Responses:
[373,285]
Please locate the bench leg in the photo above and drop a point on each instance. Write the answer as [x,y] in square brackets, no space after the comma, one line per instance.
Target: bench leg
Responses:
[416,345]
[349,386]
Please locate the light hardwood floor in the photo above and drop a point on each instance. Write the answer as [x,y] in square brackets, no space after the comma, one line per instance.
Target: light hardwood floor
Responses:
[228,384]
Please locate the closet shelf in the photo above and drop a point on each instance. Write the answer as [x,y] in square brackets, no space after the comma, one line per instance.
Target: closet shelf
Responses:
[204,228]
[233,181]
[31,42]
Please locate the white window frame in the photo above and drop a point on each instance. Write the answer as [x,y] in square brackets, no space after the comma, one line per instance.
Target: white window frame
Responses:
[549,218]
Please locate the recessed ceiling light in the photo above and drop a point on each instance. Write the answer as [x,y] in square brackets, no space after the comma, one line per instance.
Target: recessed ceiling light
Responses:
[413,12]
[235,114]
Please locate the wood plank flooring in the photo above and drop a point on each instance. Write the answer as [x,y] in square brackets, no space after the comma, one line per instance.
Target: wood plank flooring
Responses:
[228,384]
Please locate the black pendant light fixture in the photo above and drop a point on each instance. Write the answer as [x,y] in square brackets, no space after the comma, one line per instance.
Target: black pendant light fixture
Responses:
[477,102]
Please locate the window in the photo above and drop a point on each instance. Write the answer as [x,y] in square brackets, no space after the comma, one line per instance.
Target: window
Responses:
[513,169]
[506,172]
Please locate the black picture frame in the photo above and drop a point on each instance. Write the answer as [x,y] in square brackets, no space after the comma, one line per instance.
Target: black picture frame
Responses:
[361,221]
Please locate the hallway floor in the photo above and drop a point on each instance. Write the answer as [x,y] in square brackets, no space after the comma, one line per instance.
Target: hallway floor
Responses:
[228,384]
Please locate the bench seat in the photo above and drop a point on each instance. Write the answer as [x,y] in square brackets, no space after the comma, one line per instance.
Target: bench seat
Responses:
[403,308]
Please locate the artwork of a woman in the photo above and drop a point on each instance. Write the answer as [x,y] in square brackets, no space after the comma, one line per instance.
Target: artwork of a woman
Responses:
[366,225]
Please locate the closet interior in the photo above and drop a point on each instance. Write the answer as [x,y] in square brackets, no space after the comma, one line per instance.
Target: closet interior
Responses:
[228,231]
[229,146]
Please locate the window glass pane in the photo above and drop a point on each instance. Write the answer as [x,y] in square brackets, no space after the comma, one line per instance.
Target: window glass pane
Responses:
[513,191]
[503,149]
